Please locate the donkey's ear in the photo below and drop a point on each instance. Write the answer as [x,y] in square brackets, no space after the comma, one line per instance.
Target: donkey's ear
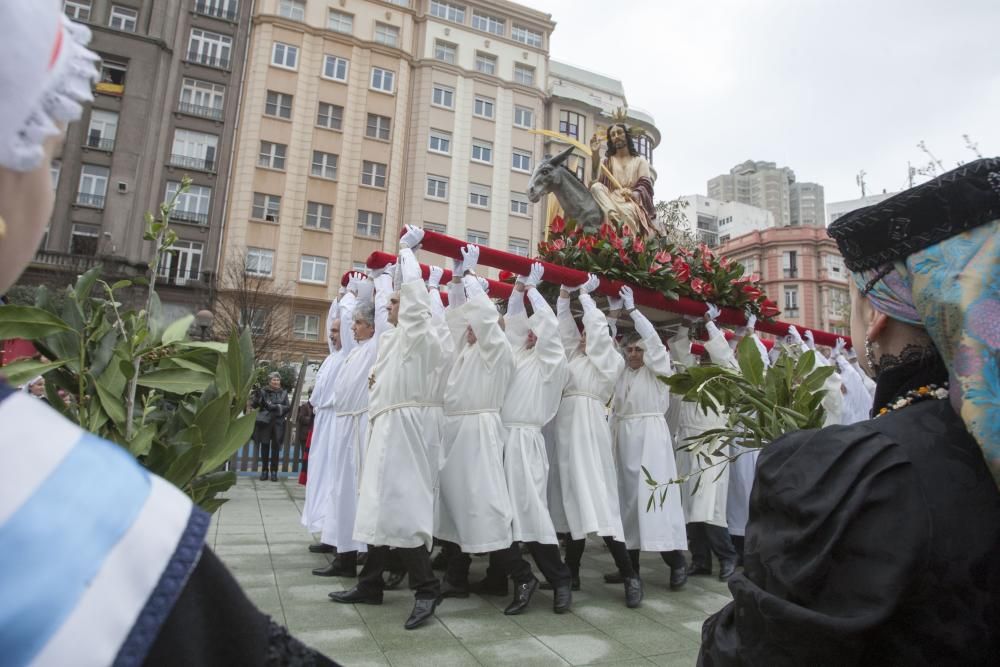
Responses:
[561,157]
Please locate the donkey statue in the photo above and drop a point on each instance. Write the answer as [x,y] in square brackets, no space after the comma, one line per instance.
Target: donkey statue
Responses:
[551,176]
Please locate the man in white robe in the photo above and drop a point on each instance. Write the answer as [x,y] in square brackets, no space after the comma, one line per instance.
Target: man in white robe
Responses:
[371,320]
[583,438]
[474,512]
[642,440]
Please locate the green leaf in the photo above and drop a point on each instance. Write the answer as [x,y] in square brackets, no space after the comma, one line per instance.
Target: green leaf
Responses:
[182,362]
[184,466]
[101,357]
[23,370]
[85,283]
[204,487]
[176,380]
[751,364]
[121,284]
[30,323]
[142,440]
[177,331]
[111,401]
[212,504]
[237,435]
[213,419]
[212,345]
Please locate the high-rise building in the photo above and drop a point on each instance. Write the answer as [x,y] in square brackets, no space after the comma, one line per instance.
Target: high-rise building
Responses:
[165,107]
[765,185]
[713,222]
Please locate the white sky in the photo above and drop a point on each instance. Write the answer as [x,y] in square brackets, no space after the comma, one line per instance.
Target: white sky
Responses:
[827,87]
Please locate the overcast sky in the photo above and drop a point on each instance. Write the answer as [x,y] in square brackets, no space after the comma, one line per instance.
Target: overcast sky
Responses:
[826,87]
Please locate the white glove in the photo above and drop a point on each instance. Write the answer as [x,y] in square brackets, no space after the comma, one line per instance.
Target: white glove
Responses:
[412,238]
[751,321]
[534,276]
[614,303]
[593,282]
[793,336]
[409,268]
[810,341]
[434,279]
[840,346]
[712,312]
[470,257]
[627,297]
[484,283]
[354,280]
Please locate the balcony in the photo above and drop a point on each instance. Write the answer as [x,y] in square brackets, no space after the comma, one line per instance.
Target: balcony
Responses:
[74,263]
[200,164]
[109,88]
[212,113]
[100,143]
[214,9]
[207,60]
[179,279]
[88,199]
[178,215]
[792,272]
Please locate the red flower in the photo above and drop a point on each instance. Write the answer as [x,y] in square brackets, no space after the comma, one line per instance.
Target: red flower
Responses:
[543,248]
[617,243]
[624,257]
[654,267]
[752,291]
[558,225]
[586,242]
[681,270]
[638,245]
[698,286]
[506,276]
[725,262]
[706,263]
[663,257]
[683,251]
[740,280]
[558,244]
[705,250]
[769,309]
[606,231]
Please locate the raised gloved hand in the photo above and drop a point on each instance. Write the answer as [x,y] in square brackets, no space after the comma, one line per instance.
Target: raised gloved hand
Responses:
[470,258]
[839,346]
[712,312]
[484,283]
[412,238]
[434,279]
[354,280]
[810,341]
[534,275]
[751,321]
[627,297]
[593,282]
[793,336]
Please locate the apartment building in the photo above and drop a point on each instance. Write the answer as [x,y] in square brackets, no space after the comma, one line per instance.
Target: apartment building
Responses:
[767,186]
[165,107]
[713,221]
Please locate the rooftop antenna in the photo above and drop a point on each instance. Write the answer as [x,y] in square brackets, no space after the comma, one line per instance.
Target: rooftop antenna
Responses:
[860,180]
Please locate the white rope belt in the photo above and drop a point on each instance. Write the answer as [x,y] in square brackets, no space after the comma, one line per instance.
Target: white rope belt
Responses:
[523,425]
[585,394]
[640,415]
[355,413]
[462,413]
[400,406]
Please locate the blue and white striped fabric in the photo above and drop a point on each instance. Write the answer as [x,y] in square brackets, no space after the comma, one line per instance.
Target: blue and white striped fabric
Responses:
[94,550]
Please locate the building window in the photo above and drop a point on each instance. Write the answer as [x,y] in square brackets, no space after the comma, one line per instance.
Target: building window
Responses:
[93,186]
[488,23]
[191,206]
[265,207]
[112,78]
[55,170]
[259,262]
[194,150]
[484,107]
[383,79]
[443,96]
[435,227]
[285,56]
[517,246]
[482,151]
[791,300]
[340,22]
[524,75]
[330,116]
[386,34]
[123,18]
[278,105]
[519,205]
[335,68]
[839,303]
[223,9]
[378,127]
[102,130]
[306,327]
[369,224]
[521,161]
[835,266]
[486,63]
[319,216]
[200,98]
[78,10]
[445,52]
[292,9]
[479,195]
[439,142]
[789,264]
[272,155]
[524,117]
[479,238]
[526,36]
[83,240]
[209,48]
[312,269]
[373,174]
[324,165]
[182,262]
[571,124]
[448,11]
[437,187]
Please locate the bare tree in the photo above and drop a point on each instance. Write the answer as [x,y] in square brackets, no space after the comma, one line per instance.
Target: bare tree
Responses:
[670,215]
[248,298]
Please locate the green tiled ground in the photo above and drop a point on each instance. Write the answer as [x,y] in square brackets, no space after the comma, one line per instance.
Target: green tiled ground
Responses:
[258,535]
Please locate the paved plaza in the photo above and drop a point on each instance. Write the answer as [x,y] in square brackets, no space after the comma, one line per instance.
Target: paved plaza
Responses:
[258,535]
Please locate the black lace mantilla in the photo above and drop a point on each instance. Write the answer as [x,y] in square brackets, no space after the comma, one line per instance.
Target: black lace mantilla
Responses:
[914,369]
[284,650]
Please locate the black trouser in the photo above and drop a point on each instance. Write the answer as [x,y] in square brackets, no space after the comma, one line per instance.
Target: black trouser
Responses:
[509,563]
[269,438]
[673,559]
[574,553]
[457,571]
[705,539]
[416,560]
[550,563]
[738,541]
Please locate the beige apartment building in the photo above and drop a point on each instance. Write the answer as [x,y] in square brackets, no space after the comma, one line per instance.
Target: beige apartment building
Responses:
[360,116]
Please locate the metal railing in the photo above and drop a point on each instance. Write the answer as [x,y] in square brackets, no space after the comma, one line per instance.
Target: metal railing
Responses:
[207,60]
[179,215]
[214,9]
[192,162]
[77,263]
[198,110]
[88,199]
[100,143]
[792,272]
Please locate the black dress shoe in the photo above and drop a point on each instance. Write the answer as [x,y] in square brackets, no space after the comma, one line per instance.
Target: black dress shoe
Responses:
[678,577]
[522,596]
[423,609]
[393,580]
[633,592]
[490,586]
[322,548]
[356,596]
[574,585]
[449,590]
[336,569]
[614,578]
[727,568]
[362,558]
[263,475]
[274,475]
[698,569]
[562,598]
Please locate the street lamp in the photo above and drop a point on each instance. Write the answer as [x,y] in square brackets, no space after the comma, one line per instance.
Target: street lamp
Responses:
[203,319]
